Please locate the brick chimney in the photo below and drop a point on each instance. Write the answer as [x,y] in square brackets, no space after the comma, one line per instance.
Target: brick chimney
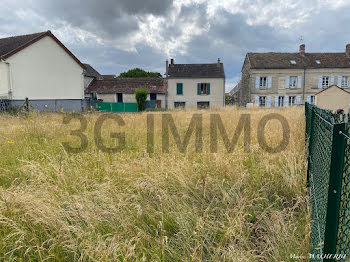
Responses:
[302,50]
[166,67]
[347,50]
[172,61]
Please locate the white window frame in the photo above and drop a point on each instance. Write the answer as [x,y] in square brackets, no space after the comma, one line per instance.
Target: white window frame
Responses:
[312,100]
[344,81]
[262,101]
[280,101]
[325,81]
[291,100]
[293,81]
[263,80]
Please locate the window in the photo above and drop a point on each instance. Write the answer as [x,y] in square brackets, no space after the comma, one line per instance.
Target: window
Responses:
[203,89]
[280,101]
[291,100]
[293,62]
[179,104]
[179,89]
[325,81]
[344,81]
[153,96]
[119,97]
[318,62]
[202,105]
[293,82]
[262,101]
[263,82]
[312,100]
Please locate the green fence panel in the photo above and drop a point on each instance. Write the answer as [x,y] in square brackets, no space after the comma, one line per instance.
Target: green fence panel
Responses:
[116,107]
[328,138]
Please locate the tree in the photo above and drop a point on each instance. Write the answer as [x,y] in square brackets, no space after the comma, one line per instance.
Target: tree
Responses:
[141,96]
[138,72]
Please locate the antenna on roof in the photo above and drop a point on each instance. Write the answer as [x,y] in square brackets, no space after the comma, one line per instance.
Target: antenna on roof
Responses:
[301,39]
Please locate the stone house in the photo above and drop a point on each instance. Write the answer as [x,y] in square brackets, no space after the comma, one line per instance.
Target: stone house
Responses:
[195,85]
[282,79]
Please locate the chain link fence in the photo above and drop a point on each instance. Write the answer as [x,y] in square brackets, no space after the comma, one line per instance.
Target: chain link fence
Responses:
[328,183]
[4,105]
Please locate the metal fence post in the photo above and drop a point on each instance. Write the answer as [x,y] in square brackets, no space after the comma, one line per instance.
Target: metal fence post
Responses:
[311,132]
[334,190]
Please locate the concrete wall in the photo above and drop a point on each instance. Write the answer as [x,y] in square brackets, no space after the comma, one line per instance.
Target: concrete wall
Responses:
[190,96]
[4,80]
[45,71]
[278,77]
[87,81]
[128,98]
[67,105]
[333,98]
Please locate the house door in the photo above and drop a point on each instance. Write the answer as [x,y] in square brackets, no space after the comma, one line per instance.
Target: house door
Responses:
[120,98]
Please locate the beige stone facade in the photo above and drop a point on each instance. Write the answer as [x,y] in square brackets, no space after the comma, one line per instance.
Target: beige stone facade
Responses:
[308,84]
[190,95]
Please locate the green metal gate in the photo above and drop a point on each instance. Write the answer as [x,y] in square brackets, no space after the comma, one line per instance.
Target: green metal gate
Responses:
[117,107]
[328,182]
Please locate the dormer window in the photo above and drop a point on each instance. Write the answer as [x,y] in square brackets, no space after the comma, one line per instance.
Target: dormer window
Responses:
[293,62]
[318,62]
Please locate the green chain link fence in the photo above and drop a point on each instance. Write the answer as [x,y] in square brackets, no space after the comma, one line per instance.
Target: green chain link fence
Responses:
[328,182]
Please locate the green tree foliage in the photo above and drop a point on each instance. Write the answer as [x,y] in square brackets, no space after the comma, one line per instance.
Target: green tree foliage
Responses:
[141,96]
[138,72]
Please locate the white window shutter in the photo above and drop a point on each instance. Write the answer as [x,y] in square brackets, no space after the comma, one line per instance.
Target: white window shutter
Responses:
[269,81]
[339,80]
[299,81]
[269,101]
[257,82]
[298,100]
[256,100]
[287,82]
[320,82]
[332,80]
[308,99]
[286,98]
[276,101]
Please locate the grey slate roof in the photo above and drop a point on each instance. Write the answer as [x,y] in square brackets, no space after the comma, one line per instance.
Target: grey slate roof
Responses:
[90,71]
[127,85]
[282,60]
[10,44]
[196,70]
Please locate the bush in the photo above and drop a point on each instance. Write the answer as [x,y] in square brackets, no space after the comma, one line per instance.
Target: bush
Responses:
[141,96]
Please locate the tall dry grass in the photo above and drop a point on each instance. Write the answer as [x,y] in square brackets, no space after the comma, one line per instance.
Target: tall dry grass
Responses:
[135,206]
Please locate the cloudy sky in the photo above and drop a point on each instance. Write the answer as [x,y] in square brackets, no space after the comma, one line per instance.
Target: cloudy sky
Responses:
[114,36]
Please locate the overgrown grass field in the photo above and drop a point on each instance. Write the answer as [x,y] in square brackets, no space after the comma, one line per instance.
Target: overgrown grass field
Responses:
[140,206]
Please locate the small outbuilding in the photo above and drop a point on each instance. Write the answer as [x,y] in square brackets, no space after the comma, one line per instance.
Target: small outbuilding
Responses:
[333,98]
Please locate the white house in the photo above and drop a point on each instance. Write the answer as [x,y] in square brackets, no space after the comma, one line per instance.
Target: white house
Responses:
[195,85]
[39,67]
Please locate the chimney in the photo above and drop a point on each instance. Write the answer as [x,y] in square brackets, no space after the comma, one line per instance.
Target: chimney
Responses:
[347,50]
[166,67]
[302,50]
[219,60]
[172,61]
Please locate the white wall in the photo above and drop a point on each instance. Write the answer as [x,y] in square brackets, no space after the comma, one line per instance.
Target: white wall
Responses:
[4,80]
[190,96]
[44,70]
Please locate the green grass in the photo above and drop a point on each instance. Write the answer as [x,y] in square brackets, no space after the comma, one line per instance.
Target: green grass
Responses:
[135,206]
